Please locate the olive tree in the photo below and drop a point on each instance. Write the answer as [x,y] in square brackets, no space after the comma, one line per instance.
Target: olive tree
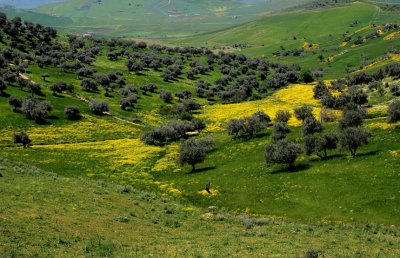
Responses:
[194,151]
[22,138]
[319,145]
[352,138]
[394,111]
[282,152]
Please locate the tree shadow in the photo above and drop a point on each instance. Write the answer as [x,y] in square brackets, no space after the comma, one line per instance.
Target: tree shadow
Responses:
[366,154]
[200,170]
[288,170]
[53,117]
[5,94]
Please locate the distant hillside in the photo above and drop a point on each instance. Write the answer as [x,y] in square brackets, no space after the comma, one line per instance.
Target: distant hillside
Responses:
[155,18]
[312,38]
[44,19]
[27,4]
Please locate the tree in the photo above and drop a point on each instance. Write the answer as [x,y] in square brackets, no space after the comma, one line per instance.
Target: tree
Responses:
[310,126]
[303,112]
[394,111]
[283,152]
[22,138]
[58,87]
[354,137]
[320,90]
[35,109]
[193,152]
[319,145]
[72,112]
[279,131]
[44,76]
[199,124]
[234,127]
[282,116]
[15,102]
[35,88]
[307,77]
[3,86]
[89,85]
[351,118]
[166,96]
[98,107]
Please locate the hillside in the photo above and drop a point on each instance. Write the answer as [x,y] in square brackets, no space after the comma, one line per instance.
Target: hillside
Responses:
[35,17]
[98,138]
[158,18]
[321,38]
[80,217]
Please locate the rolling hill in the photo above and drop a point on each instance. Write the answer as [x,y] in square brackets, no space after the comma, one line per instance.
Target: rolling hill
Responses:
[156,18]
[278,36]
[106,181]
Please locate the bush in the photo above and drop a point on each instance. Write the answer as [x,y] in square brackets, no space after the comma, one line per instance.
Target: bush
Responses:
[35,109]
[320,90]
[166,96]
[22,138]
[282,116]
[279,131]
[310,126]
[15,102]
[283,152]
[394,111]
[72,112]
[303,112]
[98,107]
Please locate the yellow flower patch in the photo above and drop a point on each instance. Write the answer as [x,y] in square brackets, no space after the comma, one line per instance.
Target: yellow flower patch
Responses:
[214,192]
[285,99]
[168,162]
[88,128]
[308,46]
[392,35]
[395,57]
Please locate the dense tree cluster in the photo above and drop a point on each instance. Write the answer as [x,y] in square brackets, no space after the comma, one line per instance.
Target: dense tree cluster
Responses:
[172,131]
[248,126]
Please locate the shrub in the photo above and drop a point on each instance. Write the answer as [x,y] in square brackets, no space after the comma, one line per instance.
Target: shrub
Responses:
[72,112]
[166,96]
[282,116]
[394,111]
[320,90]
[22,138]
[15,102]
[35,109]
[98,107]
[303,112]
[310,126]
[279,131]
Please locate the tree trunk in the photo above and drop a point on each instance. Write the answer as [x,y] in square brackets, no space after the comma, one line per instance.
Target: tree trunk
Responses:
[193,168]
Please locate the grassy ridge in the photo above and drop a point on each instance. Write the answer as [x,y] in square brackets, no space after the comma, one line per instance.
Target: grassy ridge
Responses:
[323,27]
[158,18]
[48,215]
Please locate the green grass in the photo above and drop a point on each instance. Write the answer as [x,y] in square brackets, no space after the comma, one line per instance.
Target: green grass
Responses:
[42,214]
[322,26]
[152,18]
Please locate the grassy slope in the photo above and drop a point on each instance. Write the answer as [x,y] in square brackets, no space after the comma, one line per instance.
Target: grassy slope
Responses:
[35,17]
[323,27]
[150,18]
[47,215]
